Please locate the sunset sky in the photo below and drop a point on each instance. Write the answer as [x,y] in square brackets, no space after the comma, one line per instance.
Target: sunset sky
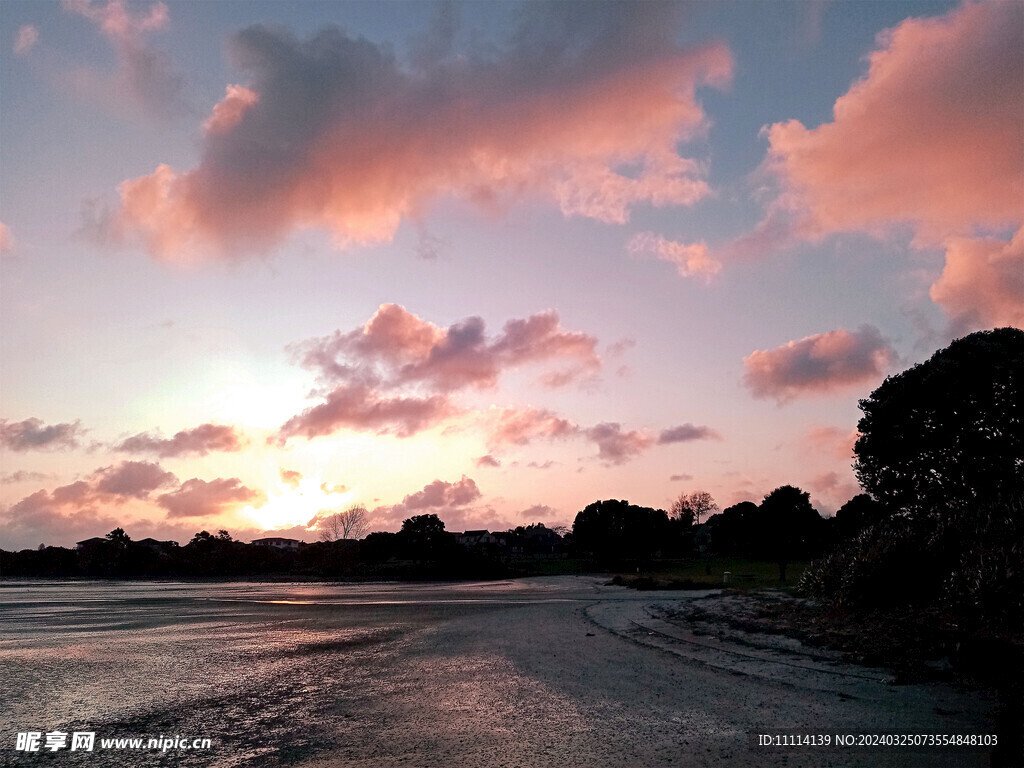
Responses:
[264,260]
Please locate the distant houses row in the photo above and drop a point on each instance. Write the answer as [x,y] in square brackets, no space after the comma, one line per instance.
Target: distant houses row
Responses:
[544,540]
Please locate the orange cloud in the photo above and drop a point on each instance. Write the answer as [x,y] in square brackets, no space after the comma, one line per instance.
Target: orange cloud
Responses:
[931,136]
[982,284]
[819,363]
[333,132]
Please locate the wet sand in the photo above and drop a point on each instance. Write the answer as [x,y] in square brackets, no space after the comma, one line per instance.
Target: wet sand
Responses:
[539,672]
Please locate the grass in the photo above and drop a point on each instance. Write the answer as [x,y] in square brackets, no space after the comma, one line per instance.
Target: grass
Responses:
[707,573]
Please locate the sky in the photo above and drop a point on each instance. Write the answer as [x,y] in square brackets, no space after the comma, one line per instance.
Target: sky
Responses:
[262,261]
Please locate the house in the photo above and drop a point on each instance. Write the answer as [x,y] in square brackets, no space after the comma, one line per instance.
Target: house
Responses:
[157,546]
[480,538]
[95,541]
[278,543]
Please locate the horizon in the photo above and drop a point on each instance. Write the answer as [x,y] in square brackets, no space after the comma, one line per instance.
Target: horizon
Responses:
[490,261]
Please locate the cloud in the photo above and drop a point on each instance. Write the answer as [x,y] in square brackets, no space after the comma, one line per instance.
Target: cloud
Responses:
[488,461]
[201,498]
[982,284]
[930,136]
[81,508]
[230,110]
[615,446]
[685,432]
[454,503]
[26,39]
[519,426]
[33,435]
[680,478]
[831,440]
[6,239]
[375,376]
[690,260]
[538,512]
[395,347]
[144,76]
[928,139]
[23,476]
[442,494]
[360,408]
[199,440]
[292,478]
[584,107]
[136,479]
[818,364]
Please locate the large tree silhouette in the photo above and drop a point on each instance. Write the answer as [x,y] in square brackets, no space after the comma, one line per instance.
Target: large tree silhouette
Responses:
[947,430]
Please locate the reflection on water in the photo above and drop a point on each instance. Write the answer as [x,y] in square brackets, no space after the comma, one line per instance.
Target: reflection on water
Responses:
[255,667]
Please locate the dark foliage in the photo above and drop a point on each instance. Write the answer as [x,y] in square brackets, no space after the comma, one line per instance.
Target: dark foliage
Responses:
[949,429]
[615,530]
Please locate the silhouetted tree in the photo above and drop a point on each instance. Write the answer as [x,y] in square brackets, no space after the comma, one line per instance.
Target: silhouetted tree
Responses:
[615,529]
[790,526]
[949,429]
[858,513]
[733,530]
[350,524]
[119,539]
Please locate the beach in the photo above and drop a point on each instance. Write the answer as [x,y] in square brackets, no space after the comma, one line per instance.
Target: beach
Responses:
[564,671]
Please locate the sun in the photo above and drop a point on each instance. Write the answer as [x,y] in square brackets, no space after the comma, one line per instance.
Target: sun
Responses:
[295,505]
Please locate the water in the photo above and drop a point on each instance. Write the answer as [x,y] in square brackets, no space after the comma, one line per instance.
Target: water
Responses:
[259,669]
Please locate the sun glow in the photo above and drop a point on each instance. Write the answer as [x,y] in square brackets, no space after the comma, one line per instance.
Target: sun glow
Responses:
[298,504]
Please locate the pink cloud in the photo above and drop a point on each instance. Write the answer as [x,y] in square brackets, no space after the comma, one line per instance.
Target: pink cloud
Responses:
[442,494]
[396,347]
[144,76]
[380,141]
[201,498]
[819,363]
[686,432]
[230,110]
[518,426]
[454,503]
[615,446]
[982,284]
[831,440]
[6,239]
[488,461]
[26,39]
[131,478]
[692,260]
[930,136]
[199,440]
[375,376]
[33,435]
[360,408]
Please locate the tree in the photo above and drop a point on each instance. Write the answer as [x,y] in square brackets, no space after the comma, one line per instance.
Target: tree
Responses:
[614,529]
[790,526]
[350,524]
[948,429]
[119,538]
[699,503]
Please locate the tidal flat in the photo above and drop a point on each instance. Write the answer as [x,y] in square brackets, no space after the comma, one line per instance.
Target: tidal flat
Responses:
[559,671]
